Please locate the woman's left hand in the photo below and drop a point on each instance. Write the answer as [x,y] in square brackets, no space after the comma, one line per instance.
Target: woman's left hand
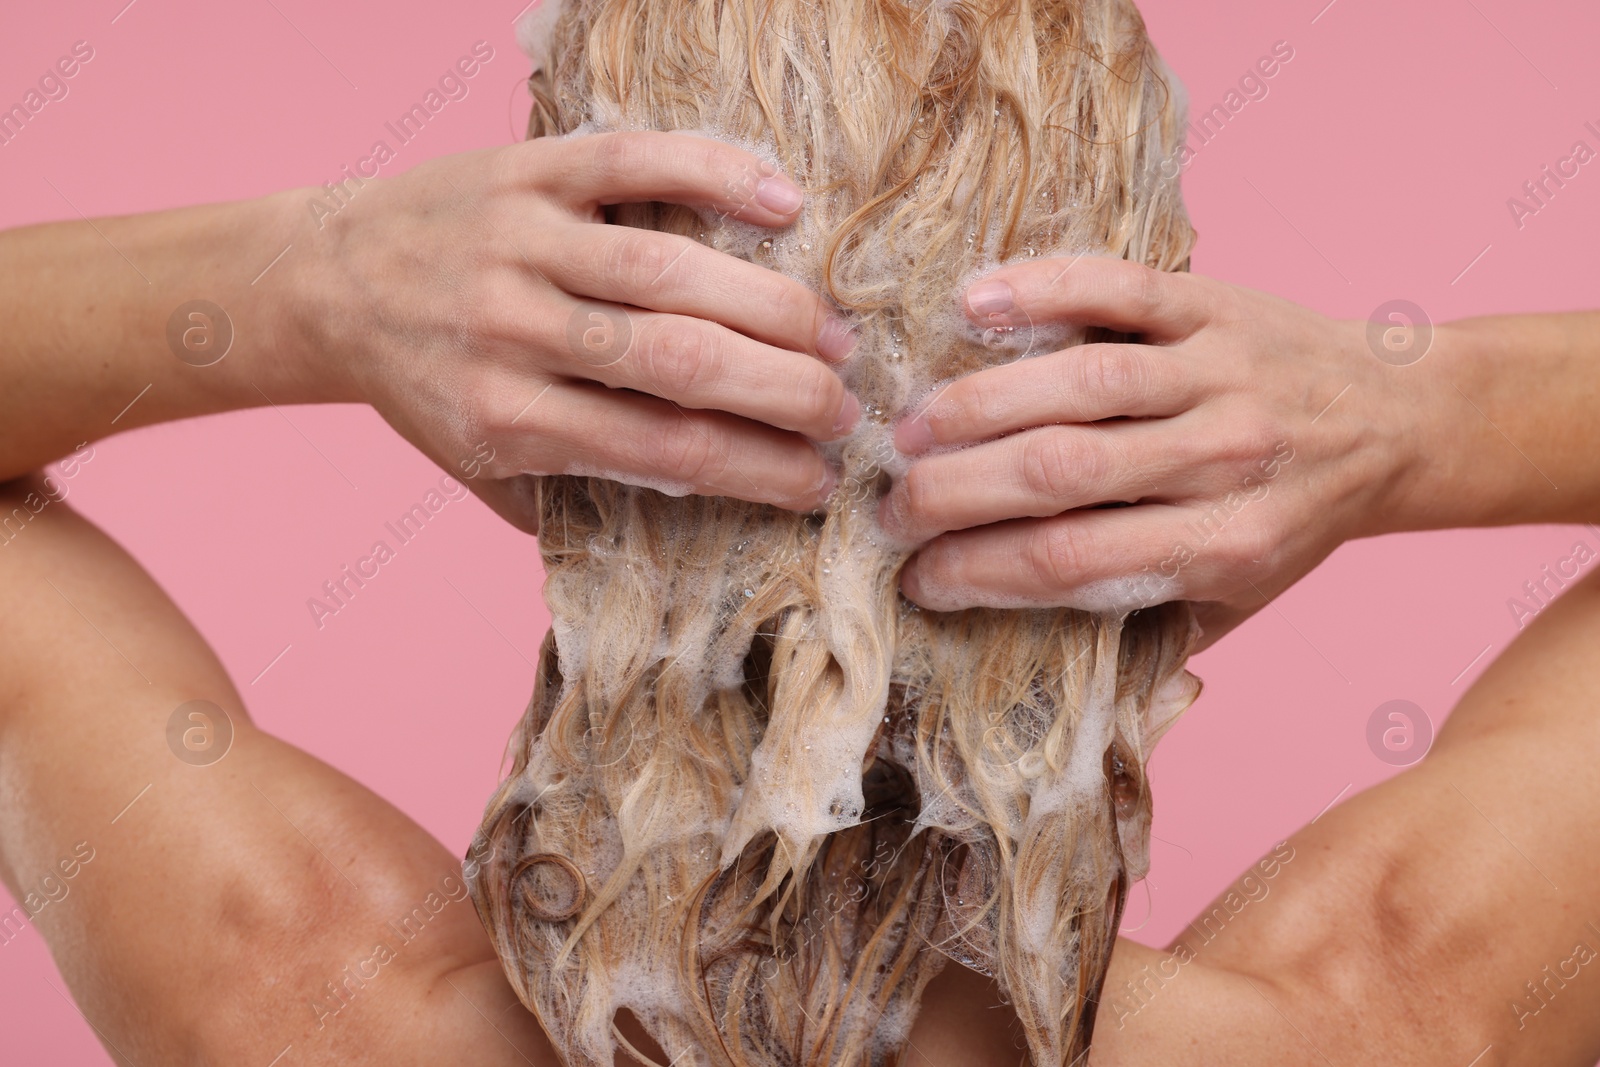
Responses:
[1248,436]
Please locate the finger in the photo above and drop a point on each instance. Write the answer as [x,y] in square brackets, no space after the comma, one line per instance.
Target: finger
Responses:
[1162,306]
[634,167]
[671,273]
[588,430]
[1106,560]
[1027,475]
[705,366]
[1082,384]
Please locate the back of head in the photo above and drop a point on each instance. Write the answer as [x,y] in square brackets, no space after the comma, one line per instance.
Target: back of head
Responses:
[759,799]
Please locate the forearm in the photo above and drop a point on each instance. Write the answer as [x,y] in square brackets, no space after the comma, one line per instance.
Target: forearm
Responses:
[1506,427]
[86,309]
[453,299]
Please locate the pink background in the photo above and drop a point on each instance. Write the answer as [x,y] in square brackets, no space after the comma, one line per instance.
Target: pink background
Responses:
[1378,167]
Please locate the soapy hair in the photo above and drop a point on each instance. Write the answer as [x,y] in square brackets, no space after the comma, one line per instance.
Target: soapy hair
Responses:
[759,798]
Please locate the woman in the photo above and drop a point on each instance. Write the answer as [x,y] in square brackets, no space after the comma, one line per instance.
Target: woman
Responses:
[77,725]
[757,802]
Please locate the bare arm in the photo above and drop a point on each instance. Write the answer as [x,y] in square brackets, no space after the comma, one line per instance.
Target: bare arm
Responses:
[1443,915]
[1252,436]
[1451,912]
[1402,928]
[214,911]
[478,302]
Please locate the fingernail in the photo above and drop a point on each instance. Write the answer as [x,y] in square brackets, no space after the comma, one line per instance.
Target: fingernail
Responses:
[779,195]
[990,298]
[914,435]
[849,415]
[830,482]
[836,340]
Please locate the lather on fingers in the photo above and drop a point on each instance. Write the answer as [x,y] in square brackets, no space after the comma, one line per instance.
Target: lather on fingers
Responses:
[1161,306]
[635,167]
[672,273]
[652,442]
[703,365]
[1083,384]
[1032,474]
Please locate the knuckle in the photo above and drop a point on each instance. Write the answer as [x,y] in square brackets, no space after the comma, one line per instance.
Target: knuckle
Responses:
[1256,440]
[682,451]
[495,416]
[967,406]
[1057,555]
[1051,467]
[738,178]
[1137,287]
[639,257]
[488,424]
[796,308]
[1274,435]
[499,300]
[1149,289]
[1191,454]
[934,571]
[919,489]
[1250,549]
[512,165]
[1115,373]
[1204,300]
[818,395]
[683,359]
[714,158]
[616,157]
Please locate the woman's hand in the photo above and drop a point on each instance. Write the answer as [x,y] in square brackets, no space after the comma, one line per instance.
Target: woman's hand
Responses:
[482,305]
[478,302]
[1249,435]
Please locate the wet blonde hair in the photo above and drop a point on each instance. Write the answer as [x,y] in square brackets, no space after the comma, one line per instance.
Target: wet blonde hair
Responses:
[759,799]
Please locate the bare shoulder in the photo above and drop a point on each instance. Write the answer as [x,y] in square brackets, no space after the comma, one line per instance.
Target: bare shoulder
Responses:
[238,903]
[1448,914]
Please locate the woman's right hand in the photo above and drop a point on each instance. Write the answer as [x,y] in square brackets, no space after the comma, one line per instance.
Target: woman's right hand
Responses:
[483,306]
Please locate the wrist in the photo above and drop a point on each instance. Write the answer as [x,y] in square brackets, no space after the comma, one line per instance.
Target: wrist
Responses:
[1384,476]
[226,299]
[1408,493]
[1454,467]
[294,305]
